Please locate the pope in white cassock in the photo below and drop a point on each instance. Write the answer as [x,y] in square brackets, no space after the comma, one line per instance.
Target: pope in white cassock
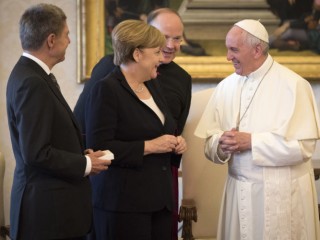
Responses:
[263,122]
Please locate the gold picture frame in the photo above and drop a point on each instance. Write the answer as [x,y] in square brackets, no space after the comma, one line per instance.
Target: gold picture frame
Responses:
[91,48]
[215,68]
[90,36]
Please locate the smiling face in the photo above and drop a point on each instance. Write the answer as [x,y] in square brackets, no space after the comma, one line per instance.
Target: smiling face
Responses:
[149,59]
[240,52]
[172,28]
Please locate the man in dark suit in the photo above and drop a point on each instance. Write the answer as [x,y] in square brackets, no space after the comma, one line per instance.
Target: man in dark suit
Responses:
[175,82]
[51,195]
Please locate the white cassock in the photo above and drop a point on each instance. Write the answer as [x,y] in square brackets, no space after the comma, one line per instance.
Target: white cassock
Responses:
[270,191]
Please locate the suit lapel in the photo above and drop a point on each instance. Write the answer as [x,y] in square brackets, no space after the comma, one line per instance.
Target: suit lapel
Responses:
[59,95]
[55,90]
[155,91]
[158,98]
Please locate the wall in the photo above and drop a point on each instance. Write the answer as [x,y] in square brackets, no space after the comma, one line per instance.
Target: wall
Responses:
[10,49]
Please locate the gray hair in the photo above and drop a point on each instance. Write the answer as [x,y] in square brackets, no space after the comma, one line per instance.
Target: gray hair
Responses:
[254,41]
[38,22]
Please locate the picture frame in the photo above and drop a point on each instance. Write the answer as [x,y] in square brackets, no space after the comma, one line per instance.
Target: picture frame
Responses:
[90,36]
[91,48]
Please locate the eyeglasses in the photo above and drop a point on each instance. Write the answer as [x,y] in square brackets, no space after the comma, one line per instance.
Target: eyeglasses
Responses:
[174,39]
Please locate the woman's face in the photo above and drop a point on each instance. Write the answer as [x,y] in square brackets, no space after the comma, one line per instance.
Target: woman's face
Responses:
[150,59]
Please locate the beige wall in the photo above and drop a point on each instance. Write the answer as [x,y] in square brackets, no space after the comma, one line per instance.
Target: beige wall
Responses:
[10,49]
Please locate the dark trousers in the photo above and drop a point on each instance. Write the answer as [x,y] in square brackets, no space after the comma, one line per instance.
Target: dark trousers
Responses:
[124,225]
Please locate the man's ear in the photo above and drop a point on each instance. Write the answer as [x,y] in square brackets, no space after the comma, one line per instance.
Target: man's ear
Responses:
[258,51]
[51,40]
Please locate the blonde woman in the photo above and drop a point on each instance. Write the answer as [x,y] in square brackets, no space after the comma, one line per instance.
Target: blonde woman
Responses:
[126,113]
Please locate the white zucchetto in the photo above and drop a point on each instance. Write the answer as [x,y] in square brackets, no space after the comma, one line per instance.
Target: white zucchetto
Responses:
[255,28]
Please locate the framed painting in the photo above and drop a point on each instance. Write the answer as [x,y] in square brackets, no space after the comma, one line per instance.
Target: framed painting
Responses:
[90,36]
[91,48]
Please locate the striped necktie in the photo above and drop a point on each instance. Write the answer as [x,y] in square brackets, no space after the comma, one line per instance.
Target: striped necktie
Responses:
[54,80]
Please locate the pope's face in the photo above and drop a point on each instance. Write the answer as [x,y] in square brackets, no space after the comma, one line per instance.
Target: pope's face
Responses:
[239,52]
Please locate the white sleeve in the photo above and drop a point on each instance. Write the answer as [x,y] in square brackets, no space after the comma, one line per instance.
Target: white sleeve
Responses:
[270,149]
[211,150]
[88,166]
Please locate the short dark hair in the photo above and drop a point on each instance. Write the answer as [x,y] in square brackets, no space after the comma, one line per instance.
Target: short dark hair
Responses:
[38,22]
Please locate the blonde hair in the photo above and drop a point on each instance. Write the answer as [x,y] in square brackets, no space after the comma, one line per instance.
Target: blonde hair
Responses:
[131,34]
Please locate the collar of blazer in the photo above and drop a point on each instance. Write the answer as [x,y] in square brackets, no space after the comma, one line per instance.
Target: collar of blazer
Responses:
[153,86]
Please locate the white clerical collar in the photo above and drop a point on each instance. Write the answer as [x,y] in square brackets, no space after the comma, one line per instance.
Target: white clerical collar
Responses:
[37,60]
[262,69]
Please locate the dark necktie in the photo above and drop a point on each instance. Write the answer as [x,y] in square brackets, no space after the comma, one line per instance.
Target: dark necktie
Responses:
[54,80]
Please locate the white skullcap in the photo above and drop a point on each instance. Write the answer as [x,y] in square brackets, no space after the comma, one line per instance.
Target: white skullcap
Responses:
[255,28]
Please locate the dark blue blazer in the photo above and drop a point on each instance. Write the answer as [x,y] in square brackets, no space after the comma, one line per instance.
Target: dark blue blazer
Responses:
[50,198]
[116,119]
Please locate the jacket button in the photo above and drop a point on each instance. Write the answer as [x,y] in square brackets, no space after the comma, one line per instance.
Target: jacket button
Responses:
[164,168]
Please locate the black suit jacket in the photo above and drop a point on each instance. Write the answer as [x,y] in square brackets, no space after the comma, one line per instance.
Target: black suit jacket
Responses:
[176,86]
[116,119]
[50,198]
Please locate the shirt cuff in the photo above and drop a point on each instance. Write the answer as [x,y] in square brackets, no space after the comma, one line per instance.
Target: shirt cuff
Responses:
[221,155]
[88,166]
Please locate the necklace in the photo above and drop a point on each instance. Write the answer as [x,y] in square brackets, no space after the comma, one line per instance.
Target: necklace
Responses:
[245,111]
[139,89]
